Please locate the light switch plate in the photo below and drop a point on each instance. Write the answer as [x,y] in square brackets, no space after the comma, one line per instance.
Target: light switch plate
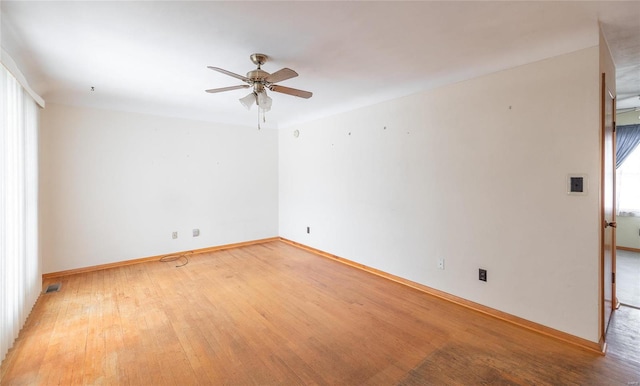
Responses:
[577,184]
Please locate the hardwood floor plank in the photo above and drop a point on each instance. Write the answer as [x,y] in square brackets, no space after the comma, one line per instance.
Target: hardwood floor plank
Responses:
[274,314]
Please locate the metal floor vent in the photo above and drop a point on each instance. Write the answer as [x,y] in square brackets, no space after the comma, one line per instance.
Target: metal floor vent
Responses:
[52,288]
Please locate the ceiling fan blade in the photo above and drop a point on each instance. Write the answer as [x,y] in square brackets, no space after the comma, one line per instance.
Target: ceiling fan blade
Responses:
[280,75]
[242,78]
[221,89]
[291,91]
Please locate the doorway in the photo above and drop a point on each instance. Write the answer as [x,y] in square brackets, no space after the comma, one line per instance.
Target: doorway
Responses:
[628,207]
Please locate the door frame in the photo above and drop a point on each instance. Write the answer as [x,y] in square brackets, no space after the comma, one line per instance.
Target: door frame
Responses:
[603,220]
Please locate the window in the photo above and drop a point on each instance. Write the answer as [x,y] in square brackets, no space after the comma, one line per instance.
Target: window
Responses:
[628,185]
[20,278]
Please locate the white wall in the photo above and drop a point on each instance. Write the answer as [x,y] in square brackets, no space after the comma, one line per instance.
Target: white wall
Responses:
[628,118]
[115,185]
[628,232]
[474,173]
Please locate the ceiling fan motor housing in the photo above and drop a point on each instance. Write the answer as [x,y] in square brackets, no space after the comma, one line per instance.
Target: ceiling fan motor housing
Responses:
[257,75]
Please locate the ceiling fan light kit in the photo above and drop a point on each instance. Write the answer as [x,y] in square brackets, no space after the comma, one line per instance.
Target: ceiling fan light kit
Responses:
[260,81]
[248,101]
[264,101]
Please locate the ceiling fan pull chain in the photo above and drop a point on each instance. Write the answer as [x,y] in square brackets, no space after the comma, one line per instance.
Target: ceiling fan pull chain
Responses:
[258,118]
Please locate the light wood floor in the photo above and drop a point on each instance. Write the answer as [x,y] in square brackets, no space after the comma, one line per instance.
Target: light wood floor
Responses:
[274,314]
[628,278]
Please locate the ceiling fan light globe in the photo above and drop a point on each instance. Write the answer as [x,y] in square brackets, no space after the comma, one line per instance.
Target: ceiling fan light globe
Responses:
[264,101]
[248,101]
[266,105]
[262,98]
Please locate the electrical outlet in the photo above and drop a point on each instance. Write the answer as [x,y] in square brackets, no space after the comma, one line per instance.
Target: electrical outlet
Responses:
[174,235]
[196,232]
[441,263]
[482,274]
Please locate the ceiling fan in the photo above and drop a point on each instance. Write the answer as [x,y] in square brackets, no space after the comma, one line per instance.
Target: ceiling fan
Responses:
[260,81]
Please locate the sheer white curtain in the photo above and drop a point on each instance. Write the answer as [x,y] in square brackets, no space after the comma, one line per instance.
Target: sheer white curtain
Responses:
[628,170]
[20,268]
[628,185]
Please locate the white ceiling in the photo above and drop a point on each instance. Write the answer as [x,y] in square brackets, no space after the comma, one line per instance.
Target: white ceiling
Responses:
[151,56]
